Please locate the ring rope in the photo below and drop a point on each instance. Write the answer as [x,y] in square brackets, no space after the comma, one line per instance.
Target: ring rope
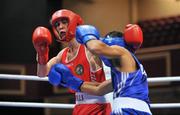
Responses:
[23,77]
[165,105]
[70,106]
[67,106]
[36,78]
[36,105]
[163,79]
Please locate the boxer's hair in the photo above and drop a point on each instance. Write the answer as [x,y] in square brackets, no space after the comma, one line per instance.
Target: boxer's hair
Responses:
[114,34]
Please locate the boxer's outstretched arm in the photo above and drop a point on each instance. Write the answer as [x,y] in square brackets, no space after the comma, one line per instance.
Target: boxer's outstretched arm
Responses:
[61,75]
[89,36]
[101,49]
[94,89]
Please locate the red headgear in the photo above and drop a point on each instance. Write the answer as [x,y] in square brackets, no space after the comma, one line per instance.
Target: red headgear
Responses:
[73,19]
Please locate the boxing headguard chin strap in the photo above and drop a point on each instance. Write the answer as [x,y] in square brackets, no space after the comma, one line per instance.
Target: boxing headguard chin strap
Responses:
[73,21]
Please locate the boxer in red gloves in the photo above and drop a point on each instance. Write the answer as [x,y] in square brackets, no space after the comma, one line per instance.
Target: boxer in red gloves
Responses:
[79,60]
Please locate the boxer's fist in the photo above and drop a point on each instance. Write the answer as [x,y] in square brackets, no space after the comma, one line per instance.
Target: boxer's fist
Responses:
[41,39]
[54,77]
[61,75]
[84,33]
[133,35]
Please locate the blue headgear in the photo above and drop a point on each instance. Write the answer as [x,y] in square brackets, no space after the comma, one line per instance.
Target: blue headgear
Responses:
[114,41]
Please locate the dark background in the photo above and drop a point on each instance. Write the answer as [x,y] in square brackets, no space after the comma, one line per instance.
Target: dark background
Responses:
[18,20]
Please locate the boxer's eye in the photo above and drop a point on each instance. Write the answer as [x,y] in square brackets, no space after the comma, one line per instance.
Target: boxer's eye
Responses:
[56,24]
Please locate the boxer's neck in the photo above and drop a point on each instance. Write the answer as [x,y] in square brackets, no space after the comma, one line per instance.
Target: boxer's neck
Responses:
[73,46]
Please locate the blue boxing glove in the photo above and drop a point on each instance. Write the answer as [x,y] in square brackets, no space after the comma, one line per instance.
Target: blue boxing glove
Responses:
[61,75]
[84,33]
[54,77]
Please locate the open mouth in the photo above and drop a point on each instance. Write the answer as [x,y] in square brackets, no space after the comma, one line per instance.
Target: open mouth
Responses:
[62,35]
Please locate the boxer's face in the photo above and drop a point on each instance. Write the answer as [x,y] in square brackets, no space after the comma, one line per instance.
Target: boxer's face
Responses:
[62,27]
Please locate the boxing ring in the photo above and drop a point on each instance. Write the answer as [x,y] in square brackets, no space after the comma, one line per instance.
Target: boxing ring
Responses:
[70,106]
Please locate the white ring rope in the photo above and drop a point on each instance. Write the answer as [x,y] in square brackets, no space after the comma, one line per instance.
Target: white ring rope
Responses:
[55,105]
[165,105]
[70,106]
[163,79]
[36,78]
[23,77]
[37,105]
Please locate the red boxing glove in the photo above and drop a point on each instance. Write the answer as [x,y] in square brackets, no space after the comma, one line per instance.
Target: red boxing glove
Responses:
[133,36]
[41,39]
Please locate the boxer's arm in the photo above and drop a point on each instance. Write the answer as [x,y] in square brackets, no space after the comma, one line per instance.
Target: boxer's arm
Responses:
[101,49]
[43,69]
[100,89]
[41,39]
[61,75]
[114,55]
[94,83]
